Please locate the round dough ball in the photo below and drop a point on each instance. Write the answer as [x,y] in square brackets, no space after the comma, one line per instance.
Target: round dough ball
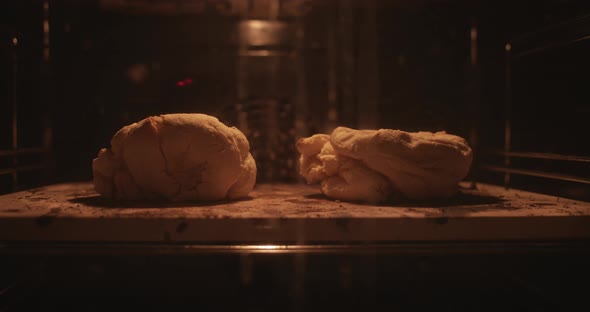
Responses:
[177,157]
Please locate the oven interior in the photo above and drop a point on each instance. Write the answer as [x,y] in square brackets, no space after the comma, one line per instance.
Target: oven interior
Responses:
[508,76]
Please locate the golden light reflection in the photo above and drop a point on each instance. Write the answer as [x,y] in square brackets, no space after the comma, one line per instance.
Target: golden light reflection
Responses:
[46,26]
[266,247]
[261,248]
[255,24]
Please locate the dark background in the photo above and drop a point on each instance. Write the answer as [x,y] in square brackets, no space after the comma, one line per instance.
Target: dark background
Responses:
[410,68]
[398,280]
[403,64]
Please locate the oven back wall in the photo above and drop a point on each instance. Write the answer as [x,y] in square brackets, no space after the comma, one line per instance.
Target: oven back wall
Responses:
[370,65]
[391,64]
[114,69]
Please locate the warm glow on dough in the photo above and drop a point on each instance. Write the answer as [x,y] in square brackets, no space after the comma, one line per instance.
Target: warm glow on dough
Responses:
[177,157]
[376,165]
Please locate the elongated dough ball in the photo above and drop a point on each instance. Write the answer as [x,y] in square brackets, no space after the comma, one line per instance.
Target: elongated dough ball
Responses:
[373,165]
[177,157]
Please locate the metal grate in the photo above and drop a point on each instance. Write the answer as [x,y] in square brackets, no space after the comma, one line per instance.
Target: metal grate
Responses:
[545,44]
[19,158]
[14,152]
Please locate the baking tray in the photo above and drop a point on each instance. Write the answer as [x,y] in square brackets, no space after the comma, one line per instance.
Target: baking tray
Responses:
[289,214]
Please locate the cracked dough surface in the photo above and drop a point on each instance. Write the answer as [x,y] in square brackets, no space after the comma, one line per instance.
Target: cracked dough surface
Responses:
[177,157]
[376,165]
